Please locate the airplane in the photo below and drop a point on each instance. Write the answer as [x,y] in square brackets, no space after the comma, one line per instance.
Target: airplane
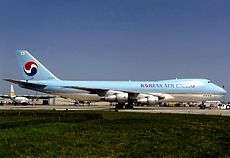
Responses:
[125,93]
[23,99]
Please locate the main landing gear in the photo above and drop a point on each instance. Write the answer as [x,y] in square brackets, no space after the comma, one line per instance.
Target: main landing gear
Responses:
[124,105]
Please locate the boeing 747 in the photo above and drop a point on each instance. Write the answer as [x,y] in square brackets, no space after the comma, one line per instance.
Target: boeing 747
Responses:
[125,93]
[23,99]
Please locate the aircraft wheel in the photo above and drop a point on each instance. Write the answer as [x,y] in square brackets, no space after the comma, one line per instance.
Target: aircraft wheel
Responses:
[77,103]
[120,106]
[202,106]
[128,106]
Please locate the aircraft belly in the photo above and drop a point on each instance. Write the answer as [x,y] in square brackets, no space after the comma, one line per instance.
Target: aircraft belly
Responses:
[193,97]
[80,96]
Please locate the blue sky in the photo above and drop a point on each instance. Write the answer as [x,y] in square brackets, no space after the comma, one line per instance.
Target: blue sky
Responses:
[118,39]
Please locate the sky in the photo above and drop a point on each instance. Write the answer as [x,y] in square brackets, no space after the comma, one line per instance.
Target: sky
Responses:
[118,39]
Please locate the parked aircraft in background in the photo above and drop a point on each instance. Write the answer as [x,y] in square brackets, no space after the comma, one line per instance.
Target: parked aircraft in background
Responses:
[125,93]
[23,99]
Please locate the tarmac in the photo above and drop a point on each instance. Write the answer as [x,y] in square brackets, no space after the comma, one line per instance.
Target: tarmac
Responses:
[171,110]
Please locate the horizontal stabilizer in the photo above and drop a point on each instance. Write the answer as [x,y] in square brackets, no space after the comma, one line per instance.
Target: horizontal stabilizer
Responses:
[38,96]
[26,84]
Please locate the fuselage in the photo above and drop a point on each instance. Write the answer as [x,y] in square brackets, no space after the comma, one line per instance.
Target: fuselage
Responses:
[181,90]
[20,100]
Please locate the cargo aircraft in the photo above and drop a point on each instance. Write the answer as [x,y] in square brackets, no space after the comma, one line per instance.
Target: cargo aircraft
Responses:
[125,93]
[23,99]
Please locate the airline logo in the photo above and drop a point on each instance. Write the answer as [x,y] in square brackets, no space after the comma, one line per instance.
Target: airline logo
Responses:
[157,85]
[30,68]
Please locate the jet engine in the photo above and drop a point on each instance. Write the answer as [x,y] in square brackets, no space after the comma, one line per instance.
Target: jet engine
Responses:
[117,97]
[151,100]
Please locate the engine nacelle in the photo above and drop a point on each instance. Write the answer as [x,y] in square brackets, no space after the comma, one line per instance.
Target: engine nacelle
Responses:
[110,98]
[151,100]
[119,97]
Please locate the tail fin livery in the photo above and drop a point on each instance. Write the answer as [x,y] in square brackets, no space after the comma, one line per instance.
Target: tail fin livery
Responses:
[31,68]
[12,92]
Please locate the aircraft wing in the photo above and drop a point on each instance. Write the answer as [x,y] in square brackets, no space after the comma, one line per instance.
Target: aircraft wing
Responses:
[102,92]
[98,91]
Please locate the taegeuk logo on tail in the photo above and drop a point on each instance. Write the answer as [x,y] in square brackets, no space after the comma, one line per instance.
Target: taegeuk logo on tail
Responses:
[30,68]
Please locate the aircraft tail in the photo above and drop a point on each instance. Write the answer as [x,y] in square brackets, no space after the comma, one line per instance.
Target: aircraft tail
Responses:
[12,92]
[31,68]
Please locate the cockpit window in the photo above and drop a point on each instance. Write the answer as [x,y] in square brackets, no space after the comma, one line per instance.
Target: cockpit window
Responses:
[209,82]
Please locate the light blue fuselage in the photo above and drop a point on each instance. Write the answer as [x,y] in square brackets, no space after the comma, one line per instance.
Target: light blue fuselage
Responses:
[183,87]
[192,86]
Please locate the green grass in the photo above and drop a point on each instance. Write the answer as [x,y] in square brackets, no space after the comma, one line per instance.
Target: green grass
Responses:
[110,134]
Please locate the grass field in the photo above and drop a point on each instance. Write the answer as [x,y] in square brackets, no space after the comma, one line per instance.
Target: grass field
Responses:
[110,134]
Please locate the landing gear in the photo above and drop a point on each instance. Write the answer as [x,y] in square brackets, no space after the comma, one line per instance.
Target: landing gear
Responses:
[124,105]
[128,106]
[202,105]
[120,106]
[77,103]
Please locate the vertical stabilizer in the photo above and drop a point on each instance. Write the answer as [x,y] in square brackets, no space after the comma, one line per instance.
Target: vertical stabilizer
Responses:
[12,92]
[31,68]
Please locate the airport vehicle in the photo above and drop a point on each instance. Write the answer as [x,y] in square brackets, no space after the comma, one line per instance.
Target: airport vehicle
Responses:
[210,104]
[23,99]
[215,105]
[2,102]
[224,106]
[125,93]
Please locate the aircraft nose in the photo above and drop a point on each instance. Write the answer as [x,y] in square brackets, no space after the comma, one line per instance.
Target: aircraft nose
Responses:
[221,90]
